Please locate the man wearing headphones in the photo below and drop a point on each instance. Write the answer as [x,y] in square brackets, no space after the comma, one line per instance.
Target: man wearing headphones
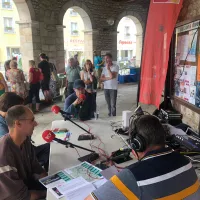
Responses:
[160,174]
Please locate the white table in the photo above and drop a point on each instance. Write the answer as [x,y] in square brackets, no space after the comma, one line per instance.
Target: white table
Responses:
[62,157]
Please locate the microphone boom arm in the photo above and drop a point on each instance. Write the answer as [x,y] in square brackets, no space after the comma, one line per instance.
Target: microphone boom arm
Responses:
[67,118]
[69,144]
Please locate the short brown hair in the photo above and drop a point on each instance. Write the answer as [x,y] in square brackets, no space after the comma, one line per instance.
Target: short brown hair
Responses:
[13,63]
[43,55]
[9,99]
[32,63]
[15,113]
[109,55]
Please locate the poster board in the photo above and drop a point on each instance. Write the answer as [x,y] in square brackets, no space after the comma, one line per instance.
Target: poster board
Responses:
[187,63]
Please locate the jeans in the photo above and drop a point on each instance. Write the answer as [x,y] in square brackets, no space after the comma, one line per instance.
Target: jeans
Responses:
[94,102]
[69,89]
[111,99]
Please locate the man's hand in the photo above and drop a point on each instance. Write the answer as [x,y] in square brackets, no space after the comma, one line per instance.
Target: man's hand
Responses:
[108,67]
[77,102]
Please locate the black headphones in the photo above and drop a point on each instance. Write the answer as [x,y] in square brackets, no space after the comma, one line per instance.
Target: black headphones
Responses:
[137,141]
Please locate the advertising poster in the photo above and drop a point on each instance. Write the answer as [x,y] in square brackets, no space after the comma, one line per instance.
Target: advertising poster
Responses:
[192,46]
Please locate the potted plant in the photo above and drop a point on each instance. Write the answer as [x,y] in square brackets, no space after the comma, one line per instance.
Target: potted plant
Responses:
[8,28]
[75,32]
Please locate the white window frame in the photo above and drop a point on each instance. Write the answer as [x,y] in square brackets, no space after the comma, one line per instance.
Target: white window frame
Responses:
[76,31]
[12,23]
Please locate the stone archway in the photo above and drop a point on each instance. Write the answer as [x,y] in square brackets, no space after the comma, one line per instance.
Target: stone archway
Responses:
[26,24]
[139,28]
[84,12]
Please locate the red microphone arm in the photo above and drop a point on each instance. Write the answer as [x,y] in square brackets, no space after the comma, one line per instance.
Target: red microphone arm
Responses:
[49,136]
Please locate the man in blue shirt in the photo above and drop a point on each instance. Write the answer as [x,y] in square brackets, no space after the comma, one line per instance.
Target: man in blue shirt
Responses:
[98,64]
[77,106]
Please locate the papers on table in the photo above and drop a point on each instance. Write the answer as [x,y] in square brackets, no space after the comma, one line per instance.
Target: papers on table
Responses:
[74,183]
[55,179]
[77,187]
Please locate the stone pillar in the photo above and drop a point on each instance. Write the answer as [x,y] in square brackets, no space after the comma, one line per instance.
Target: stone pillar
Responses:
[60,52]
[28,36]
[88,45]
[139,40]
[113,36]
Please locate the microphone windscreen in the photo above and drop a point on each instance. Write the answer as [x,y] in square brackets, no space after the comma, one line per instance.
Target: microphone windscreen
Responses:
[55,109]
[82,96]
[48,136]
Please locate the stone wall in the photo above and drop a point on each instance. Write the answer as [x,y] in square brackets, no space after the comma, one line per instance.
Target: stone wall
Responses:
[47,36]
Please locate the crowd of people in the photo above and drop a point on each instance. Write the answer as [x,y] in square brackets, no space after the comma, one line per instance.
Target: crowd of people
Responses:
[87,81]
[42,76]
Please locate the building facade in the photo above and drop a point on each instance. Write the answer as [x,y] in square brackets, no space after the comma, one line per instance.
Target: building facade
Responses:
[73,35]
[9,31]
[126,40]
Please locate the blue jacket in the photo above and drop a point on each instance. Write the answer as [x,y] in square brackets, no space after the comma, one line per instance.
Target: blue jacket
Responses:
[3,126]
[84,111]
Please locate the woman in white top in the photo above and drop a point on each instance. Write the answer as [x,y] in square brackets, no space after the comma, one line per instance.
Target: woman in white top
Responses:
[90,80]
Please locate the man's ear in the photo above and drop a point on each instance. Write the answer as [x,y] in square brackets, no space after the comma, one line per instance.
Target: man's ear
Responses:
[17,123]
[134,153]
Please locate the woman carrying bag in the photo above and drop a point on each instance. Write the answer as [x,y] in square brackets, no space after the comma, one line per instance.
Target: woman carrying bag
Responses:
[35,76]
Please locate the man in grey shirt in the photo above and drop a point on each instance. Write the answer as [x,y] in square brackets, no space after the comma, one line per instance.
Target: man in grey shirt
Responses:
[72,73]
[19,168]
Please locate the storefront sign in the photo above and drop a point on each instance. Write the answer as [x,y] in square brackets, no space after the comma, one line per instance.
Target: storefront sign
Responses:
[125,42]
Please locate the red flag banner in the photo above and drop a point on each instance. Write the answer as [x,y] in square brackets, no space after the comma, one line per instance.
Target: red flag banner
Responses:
[161,21]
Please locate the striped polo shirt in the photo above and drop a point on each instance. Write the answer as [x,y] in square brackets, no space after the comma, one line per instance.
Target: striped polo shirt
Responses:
[161,175]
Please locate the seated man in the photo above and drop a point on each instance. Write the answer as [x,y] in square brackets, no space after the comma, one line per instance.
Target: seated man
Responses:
[7,100]
[18,163]
[161,173]
[78,107]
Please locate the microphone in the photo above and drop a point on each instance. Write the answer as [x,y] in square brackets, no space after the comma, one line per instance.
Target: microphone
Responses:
[82,97]
[49,136]
[56,109]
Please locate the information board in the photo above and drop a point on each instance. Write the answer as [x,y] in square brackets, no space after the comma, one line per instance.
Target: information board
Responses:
[187,63]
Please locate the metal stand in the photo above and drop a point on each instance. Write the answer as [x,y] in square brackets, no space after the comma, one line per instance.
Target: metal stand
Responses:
[67,118]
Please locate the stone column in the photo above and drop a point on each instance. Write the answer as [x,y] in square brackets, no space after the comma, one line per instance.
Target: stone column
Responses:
[113,36]
[88,45]
[60,52]
[28,36]
[139,39]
